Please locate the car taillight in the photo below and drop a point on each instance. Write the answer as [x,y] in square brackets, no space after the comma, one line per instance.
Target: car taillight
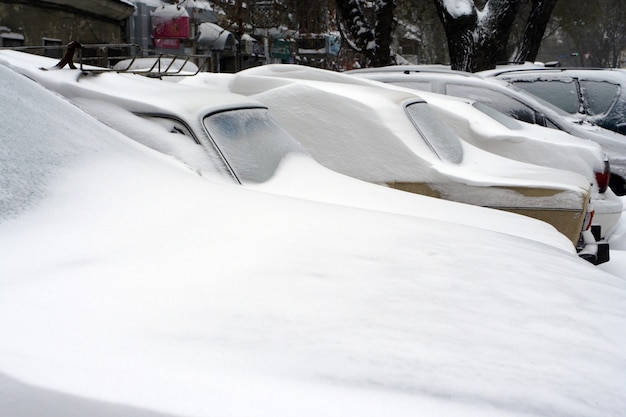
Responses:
[602,178]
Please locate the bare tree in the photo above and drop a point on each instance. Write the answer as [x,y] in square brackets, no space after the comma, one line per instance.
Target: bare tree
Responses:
[536,23]
[475,36]
[420,32]
[479,36]
[367,30]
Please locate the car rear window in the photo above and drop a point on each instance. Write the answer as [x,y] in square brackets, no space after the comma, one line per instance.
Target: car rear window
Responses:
[599,95]
[436,133]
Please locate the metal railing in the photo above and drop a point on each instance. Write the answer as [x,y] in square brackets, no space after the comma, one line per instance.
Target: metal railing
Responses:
[98,58]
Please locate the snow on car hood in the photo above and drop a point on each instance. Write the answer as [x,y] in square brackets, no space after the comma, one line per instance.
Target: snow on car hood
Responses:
[133,286]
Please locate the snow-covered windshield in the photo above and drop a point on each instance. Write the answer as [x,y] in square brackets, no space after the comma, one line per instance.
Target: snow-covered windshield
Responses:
[538,99]
[600,95]
[251,142]
[439,137]
[563,94]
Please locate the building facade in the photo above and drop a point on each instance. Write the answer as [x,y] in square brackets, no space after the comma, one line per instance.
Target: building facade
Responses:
[57,22]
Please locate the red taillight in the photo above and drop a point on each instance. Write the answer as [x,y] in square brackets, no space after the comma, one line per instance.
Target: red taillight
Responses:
[602,178]
[589,217]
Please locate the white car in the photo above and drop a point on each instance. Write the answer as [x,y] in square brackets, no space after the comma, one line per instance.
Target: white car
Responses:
[394,138]
[130,286]
[233,138]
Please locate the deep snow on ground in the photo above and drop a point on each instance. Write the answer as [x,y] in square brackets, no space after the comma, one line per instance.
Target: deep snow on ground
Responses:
[130,285]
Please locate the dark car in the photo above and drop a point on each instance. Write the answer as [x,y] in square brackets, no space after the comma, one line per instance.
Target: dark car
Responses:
[595,95]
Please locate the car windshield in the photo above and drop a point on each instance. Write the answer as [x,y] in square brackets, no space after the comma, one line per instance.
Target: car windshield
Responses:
[562,93]
[600,95]
[439,137]
[559,111]
[250,141]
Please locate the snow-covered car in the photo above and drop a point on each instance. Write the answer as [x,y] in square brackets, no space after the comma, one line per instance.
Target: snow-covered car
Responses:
[596,95]
[130,286]
[491,130]
[507,99]
[232,138]
[495,132]
[394,138]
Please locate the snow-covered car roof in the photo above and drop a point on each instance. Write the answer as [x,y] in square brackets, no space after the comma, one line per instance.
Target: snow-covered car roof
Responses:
[390,69]
[614,74]
[120,87]
[436,80]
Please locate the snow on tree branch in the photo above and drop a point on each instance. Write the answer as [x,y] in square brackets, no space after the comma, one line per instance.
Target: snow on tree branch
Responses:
[458,8]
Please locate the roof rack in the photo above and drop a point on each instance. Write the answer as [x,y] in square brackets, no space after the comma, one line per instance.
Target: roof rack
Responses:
[157,66]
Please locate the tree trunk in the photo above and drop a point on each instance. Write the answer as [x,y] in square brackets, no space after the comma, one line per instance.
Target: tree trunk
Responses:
[536,24]
[354,27]
[383,33]
[475,37]
[371,40]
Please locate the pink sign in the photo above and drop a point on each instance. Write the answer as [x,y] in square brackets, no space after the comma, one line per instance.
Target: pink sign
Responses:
[171,27]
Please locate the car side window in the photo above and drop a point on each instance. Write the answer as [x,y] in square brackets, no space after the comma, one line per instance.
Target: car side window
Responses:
[173,126]
[551,125]
[561,93]
[437,135]
[599,95]
[494,99]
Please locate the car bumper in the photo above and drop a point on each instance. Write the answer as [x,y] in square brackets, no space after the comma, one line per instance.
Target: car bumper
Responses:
[608,210]
[592,249]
